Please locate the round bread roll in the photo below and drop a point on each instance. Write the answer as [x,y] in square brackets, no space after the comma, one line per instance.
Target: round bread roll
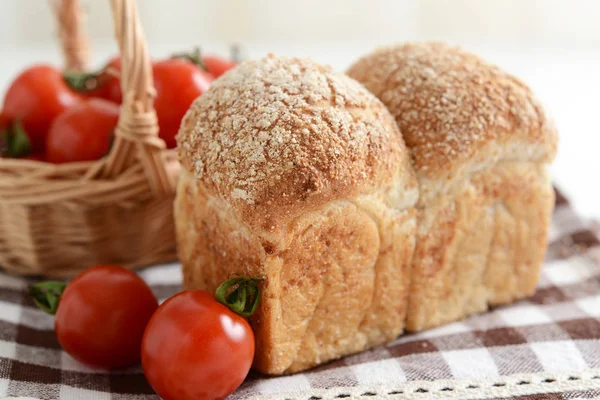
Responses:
[298,174]
[480,145]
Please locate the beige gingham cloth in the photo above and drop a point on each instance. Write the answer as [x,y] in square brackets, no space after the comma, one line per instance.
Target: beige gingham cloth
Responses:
[545,347]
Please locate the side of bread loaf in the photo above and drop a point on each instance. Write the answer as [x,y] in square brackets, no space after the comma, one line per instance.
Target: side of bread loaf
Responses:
[340,285]
[480,144]
[481,244]
[318,199]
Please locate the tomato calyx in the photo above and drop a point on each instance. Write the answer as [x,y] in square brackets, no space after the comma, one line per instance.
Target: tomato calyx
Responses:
[83,82]
[46,295]
[194,56]
[240,294]
[14,141]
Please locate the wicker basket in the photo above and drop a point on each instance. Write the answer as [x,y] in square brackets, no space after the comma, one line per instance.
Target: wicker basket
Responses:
[58,219]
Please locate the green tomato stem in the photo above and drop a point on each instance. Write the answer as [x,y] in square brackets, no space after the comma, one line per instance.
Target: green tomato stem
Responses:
[14,141]
[82,81]
[240,294]
[46,295]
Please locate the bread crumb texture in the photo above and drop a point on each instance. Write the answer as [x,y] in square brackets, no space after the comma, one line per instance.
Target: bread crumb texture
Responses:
[449,103]
[277,136]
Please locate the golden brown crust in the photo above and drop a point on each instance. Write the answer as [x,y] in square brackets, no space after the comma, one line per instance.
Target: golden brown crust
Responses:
[278,136]
[449,104]
[482,244]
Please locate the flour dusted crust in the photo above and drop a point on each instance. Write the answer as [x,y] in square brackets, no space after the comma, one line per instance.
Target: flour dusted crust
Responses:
[450,105]
[480,144]
[299,174]
[278,136]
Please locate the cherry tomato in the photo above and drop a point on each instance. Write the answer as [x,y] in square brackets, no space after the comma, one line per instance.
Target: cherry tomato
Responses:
[83,132]
[101,315]
[36,97]
[195,348]
[108,82]
[216,65]
[178,83]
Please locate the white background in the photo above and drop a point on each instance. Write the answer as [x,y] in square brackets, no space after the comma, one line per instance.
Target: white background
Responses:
[553,45]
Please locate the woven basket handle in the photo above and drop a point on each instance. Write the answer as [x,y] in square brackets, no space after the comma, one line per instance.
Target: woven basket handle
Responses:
[136,135]
[74,41]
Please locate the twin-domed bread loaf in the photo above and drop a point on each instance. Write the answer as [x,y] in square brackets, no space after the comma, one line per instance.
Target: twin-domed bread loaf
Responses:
[480,144]
[300,175]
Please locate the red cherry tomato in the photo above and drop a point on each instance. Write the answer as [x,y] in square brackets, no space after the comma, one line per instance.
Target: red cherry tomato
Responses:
[102,315]
[178,83]
[216,65]
[195,348]
[83,132]
[108,82]
[36,97]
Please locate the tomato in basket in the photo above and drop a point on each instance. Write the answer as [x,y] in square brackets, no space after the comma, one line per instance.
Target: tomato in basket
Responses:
[109,82]
[83,132]
[100,315]
[216,65]
[105,83]
[178,83]
[35,98]
[196,348]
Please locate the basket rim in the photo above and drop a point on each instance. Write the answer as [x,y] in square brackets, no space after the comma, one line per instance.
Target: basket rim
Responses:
[27,182]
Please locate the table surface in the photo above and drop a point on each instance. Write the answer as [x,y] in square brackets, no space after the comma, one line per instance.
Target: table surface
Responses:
[565,79]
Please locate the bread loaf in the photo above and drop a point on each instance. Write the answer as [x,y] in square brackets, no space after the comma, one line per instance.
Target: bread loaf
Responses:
[299,174]
[480,144]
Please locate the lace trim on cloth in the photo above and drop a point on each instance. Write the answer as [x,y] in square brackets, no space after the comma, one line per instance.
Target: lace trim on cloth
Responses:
[488,388]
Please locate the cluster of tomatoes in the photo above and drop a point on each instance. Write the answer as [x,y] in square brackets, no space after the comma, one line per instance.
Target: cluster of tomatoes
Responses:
[192,347]
[50,116]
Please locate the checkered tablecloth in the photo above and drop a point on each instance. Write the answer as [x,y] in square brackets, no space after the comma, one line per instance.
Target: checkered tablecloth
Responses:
[546,347]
